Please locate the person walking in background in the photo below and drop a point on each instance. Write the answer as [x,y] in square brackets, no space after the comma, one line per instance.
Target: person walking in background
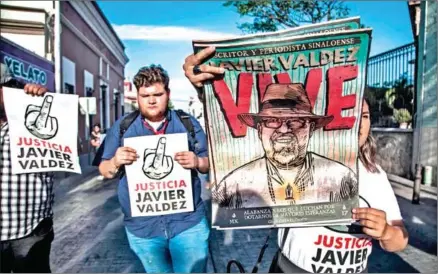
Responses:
[96,136]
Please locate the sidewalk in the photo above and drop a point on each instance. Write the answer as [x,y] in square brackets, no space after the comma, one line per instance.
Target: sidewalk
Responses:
[89,234]
[86,168]
[421,222]
[419,256]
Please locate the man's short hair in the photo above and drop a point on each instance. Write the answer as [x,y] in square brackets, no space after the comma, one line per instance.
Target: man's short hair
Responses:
[150,75]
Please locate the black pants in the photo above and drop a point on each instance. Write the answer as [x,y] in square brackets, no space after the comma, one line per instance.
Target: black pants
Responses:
[30,254]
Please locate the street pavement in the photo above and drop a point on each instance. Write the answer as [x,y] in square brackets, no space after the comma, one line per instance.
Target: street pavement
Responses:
[89,234]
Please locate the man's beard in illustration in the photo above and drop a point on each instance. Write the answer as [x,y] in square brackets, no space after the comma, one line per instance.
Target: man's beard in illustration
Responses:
[286,149]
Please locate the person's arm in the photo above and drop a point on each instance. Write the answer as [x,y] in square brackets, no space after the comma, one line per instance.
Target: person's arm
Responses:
[197,159]
[392,235]
[396,237]
[203,164]
[113,155]
[123,156]
[386,223]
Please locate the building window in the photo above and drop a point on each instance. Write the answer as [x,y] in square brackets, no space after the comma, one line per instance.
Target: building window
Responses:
[68,89]
[104,106]
[116,97]
[122,104]
[89,92]
[68,75]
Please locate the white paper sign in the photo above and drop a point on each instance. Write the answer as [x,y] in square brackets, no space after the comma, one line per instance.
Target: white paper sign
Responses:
[159,185]
[43,131]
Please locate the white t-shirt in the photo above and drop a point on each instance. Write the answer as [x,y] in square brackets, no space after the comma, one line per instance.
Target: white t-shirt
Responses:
[335,249]
[155,125]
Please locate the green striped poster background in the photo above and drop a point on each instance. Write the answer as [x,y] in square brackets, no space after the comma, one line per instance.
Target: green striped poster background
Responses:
[228,153]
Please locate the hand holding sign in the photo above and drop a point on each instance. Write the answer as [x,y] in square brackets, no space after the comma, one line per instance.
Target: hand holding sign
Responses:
[38,120]
[125,156]
[187,159]
[373,221]
[157,165]
[35,89]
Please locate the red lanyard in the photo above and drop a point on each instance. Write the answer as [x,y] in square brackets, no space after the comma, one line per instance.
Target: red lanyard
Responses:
[161,131]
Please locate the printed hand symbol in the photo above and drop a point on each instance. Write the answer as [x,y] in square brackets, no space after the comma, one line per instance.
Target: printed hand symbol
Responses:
[38,121]
[156,164]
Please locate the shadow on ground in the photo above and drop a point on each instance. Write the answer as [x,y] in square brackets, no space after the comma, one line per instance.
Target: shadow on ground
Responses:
[89,233]
[90,237]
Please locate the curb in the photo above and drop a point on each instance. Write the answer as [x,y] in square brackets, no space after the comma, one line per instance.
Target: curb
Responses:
[408,183]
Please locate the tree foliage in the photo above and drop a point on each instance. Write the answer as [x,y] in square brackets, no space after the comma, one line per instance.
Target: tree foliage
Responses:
[170,104]
[271,15]
[401,95]
[389,98]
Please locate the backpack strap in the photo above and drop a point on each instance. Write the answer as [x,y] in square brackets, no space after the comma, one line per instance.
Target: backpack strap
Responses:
[124,125]
[283,240]
[187,122]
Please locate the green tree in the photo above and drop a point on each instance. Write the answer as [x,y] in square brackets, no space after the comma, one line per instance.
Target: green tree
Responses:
[170,104]
[270,15]
[379,107]
[401,95]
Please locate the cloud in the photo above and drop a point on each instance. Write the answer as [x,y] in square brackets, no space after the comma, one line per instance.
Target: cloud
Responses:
[169,33]
[181,89]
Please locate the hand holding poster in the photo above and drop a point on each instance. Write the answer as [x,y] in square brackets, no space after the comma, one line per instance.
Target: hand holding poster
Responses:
[283,128]
[158,185]
[43,131]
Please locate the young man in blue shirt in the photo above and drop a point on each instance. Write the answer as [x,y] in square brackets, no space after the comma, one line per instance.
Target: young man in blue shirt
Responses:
[167,243]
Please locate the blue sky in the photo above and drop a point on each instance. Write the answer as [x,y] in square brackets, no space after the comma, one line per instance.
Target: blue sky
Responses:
[161,32]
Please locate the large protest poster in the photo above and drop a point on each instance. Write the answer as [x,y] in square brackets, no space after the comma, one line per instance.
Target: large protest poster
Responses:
[158,185]
[319,28]
[286,154]
[43,131]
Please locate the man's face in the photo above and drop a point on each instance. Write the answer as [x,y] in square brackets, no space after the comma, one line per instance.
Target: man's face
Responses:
[285,140]
[152,101]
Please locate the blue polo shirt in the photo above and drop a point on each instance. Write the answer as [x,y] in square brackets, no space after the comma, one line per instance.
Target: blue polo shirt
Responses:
[165,225]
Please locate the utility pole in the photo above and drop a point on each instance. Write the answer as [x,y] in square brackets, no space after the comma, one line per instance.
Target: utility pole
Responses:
[417,185]
[57,49]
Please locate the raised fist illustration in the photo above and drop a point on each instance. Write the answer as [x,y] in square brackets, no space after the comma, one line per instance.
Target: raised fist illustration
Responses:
[156,164]
[38,120]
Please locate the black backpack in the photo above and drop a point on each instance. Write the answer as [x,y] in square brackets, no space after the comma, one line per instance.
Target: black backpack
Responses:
[129,119]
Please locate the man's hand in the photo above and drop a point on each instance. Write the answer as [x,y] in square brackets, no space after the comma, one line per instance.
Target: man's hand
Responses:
[35,90]
[187,159]
[207,72]
[373,222]
[124,156]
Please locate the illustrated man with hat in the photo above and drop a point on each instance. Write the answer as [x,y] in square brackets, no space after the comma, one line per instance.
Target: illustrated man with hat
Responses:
[287,173]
